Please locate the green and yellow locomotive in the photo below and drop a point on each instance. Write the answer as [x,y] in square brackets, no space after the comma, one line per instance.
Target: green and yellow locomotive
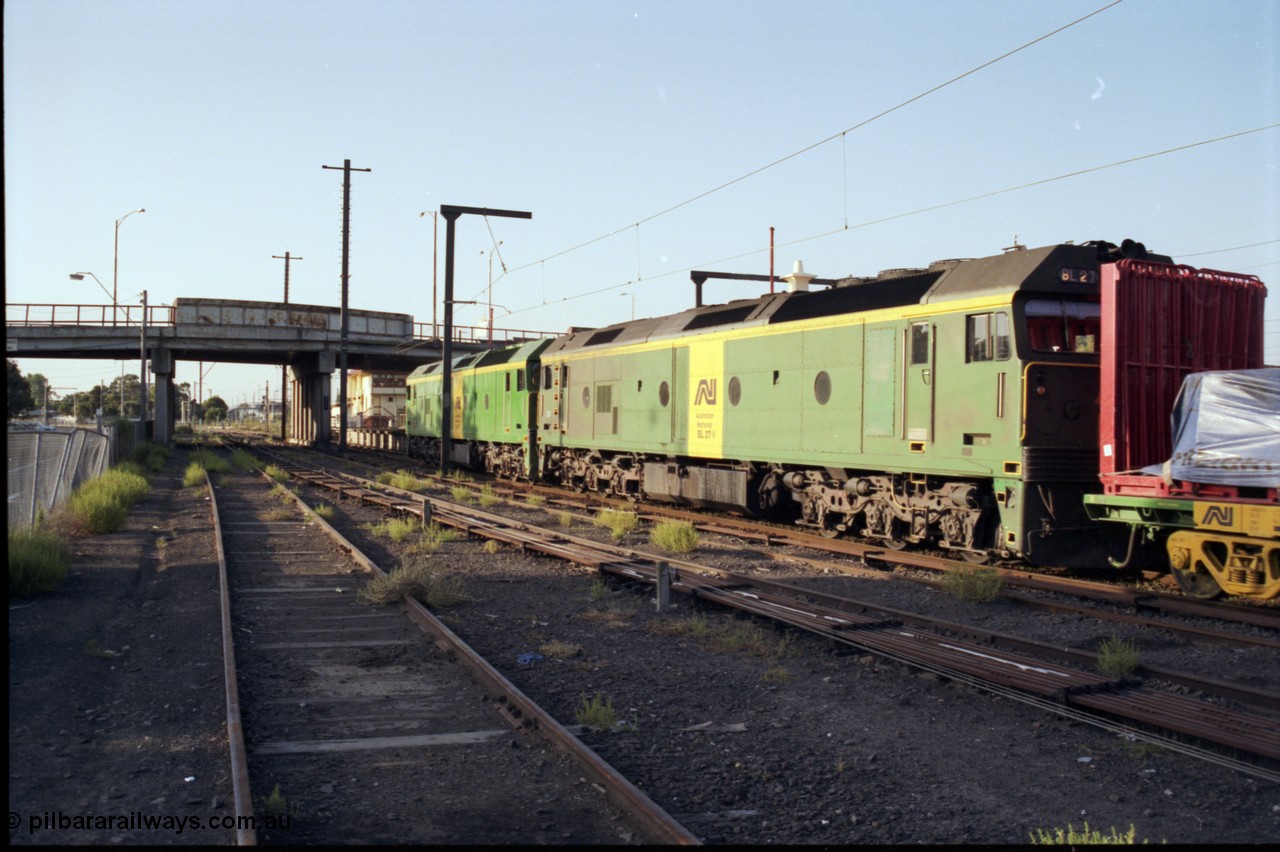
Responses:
[956,405]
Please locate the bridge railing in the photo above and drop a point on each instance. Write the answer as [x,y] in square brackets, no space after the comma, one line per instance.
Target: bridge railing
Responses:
[478,333]
[131,315]
[86,315]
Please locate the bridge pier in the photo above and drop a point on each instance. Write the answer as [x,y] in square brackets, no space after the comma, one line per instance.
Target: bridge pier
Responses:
[309,423]
[162,368]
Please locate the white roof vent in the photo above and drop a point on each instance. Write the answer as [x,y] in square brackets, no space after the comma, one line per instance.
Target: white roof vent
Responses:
[798,280]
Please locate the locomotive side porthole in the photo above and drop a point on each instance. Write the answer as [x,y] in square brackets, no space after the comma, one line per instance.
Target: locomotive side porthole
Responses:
[735,391]
[822,387]
[586,396]
[486,402]
[664,394]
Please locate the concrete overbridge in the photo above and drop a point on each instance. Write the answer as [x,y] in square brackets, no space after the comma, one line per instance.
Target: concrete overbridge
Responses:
[306,338]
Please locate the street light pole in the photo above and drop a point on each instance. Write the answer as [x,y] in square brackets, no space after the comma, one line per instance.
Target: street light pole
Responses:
[490,298]
[115,265]
[435,265]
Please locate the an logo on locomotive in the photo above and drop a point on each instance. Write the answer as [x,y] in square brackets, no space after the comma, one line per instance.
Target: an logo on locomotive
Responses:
[1221,516]
[706,393]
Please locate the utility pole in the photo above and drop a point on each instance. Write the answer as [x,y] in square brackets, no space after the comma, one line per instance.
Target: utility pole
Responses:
[346,320]
[142,374]
[451,213]
[284,368]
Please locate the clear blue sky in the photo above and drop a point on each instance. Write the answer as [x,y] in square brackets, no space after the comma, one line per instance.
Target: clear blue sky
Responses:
[599,116]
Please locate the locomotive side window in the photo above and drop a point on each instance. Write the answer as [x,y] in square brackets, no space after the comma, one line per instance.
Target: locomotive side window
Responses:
[1055,325]
[664,394]
[987,337]
[920,343]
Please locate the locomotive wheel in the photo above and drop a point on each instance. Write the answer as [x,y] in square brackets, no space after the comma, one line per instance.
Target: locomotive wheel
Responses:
[1197,583]
[975,557]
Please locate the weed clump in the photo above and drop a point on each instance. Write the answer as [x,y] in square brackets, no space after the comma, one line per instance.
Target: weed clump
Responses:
[1086,836]
[193,476]
[416,578]
[276,805]
[245,460]
[102,505]
[1117,657]
[597,713]
[618,523]
[975,585]
[208,460]
[38,561]
[674,536]
[404,480]
[151,456]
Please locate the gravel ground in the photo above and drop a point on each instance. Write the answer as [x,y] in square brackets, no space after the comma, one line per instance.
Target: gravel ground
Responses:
[798,741]
[787,740]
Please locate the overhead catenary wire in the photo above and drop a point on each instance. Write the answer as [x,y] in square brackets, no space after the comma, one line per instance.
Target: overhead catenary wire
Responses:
[923,210]
[840,135]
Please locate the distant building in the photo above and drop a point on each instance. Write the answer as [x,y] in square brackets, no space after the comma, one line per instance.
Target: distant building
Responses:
[375,400]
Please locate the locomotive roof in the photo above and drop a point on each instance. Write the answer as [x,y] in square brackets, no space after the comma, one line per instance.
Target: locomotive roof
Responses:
[1038,269]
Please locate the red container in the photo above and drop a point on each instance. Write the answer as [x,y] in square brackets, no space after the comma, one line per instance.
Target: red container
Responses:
[1159,323]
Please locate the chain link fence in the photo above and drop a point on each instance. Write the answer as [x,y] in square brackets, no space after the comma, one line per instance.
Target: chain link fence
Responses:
[45,467]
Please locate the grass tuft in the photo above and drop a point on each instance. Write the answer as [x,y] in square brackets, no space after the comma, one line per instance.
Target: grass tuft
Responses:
[245,460]
[674,536]
[102,505]
[618,523]
[1117,657]
[1086,836]
[596,713]
[975,585]
[557,650]
[416,578]
[193,477]
[38,561]
[276,805]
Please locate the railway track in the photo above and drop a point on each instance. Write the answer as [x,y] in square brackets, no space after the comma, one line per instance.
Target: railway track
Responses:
[1138,599]
[1041,679]
[345,707]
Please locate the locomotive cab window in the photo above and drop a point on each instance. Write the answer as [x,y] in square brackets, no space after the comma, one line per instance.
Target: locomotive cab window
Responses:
[1057,325]
[919,343]
[987,337]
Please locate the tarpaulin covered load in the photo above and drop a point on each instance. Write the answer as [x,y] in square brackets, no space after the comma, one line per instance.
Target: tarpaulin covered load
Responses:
[1226,430]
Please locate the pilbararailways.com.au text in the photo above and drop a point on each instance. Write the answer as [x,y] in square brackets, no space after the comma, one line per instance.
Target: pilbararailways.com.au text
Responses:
[139,821]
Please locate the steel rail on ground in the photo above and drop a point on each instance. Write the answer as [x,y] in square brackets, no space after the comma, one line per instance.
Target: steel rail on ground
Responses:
[520,710]
[246,834]
[879,633]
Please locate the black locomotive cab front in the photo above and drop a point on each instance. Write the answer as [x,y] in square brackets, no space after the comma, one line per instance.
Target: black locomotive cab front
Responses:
[1058,337]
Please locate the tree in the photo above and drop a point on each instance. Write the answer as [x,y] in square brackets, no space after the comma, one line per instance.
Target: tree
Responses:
[215,408]
[18,389]
[39,386]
